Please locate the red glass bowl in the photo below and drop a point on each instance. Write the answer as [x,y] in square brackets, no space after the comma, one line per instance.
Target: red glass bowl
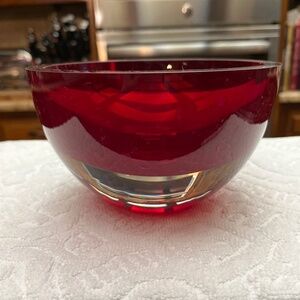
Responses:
[155,134]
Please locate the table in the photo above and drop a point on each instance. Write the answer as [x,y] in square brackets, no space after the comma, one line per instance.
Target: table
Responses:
[58,241]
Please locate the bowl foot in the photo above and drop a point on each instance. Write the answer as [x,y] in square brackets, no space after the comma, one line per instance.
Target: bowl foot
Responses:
[153,193]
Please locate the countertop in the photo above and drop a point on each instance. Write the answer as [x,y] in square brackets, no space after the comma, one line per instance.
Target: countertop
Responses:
[58,241]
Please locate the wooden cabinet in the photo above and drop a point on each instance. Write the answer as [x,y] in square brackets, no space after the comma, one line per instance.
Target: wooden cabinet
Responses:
[286,116]
[295,123]
[18,119]
[290,120]
[16,16]
[289,113]
[20,127]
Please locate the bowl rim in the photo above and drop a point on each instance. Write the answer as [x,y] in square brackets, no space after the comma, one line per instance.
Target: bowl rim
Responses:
[54,68]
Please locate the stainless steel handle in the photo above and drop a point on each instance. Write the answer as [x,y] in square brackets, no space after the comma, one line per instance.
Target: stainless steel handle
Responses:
[209,48]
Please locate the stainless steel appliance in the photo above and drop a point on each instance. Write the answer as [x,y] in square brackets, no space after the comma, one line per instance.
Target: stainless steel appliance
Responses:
[194,28]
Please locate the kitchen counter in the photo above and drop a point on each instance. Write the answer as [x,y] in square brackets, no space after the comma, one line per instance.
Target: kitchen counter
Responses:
[58,241]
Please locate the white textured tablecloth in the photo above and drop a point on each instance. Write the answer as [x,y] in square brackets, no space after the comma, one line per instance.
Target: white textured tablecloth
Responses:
[58,241]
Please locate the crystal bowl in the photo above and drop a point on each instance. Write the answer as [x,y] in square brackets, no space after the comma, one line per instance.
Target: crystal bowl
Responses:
[155,134]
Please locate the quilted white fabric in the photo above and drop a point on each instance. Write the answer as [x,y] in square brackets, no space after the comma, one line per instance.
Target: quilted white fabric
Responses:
[58,241]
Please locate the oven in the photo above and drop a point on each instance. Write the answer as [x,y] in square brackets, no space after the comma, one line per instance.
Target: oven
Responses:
[131,29]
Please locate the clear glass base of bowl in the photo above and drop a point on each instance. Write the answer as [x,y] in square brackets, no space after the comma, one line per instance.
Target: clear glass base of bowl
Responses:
[153,192]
